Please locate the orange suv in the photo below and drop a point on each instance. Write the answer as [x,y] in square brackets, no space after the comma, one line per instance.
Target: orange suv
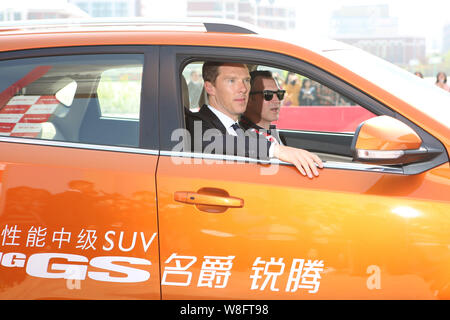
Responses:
[101,199]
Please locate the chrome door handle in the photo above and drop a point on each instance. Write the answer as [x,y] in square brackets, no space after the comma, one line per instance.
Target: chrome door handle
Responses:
[191,197]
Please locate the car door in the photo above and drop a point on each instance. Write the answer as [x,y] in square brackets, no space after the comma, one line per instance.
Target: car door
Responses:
[78,200]
[236,228]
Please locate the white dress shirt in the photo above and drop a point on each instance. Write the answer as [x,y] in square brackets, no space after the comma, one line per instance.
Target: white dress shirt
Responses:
[226,120]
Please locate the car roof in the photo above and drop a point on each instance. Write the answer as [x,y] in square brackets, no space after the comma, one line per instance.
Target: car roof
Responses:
[140,25]
[69,25]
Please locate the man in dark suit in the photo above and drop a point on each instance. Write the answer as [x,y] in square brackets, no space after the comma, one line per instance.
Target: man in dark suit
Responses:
[228,86]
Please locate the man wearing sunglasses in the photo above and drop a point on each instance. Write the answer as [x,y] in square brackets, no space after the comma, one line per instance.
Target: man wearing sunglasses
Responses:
[262,109]
[263,105]
[228,86]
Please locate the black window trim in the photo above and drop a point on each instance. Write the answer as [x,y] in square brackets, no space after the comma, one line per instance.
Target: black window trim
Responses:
[175,58]
[148,127]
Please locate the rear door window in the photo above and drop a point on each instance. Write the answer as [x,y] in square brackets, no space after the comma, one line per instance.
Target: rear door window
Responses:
[91,99]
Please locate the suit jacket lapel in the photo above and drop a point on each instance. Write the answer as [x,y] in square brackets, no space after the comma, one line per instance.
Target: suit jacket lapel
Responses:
[211,117]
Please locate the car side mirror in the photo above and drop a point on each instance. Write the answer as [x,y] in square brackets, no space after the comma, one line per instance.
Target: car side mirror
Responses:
[384,140]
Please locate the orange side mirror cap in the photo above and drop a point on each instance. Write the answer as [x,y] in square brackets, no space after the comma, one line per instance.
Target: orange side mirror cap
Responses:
[386,133]
[385,140]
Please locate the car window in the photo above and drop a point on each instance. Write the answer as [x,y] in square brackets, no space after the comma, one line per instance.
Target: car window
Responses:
[312,116]
[91,99]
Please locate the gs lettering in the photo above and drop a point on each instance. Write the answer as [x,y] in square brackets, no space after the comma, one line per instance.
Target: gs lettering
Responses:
[75,267]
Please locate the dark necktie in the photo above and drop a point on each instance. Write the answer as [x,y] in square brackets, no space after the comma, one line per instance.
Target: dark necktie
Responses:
[236,126]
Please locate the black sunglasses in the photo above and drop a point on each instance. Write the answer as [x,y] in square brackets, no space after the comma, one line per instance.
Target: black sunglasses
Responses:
[268,94]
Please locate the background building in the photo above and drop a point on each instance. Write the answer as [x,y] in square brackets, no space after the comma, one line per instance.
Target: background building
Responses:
[367,21]
[109,8]
[269,14]
[395,49]
[446,38]
[372,29]
[13,11]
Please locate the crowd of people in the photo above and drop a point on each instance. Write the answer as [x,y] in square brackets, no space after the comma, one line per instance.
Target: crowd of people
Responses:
[441,80]
[306,92]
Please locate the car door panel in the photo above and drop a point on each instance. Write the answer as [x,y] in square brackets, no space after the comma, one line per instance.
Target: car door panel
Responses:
[356,231]
[345,218]
[78,214]
[82,205]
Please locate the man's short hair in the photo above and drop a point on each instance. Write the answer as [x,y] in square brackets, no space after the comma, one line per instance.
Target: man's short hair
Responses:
[259,73]
[210,69]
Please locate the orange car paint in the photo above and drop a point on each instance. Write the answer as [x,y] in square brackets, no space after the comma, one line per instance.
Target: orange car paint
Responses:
[397,137]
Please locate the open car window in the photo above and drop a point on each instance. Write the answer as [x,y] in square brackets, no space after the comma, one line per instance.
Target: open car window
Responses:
[312,116]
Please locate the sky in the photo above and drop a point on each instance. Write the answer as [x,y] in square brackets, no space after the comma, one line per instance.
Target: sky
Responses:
[424,18]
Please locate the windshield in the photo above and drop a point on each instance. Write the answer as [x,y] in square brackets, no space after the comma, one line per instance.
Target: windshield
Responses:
[415,91]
